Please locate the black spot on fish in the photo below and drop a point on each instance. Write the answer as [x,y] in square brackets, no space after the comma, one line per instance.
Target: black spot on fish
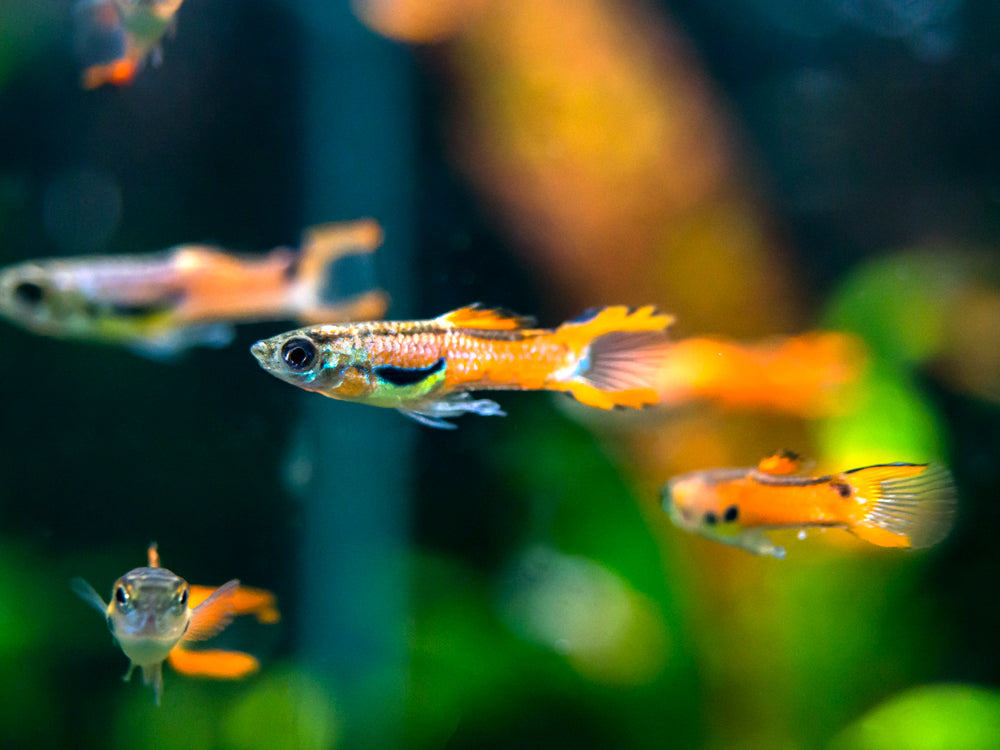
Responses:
[841,488]
[711,519]
[732,513]
[403,376]
[29,293]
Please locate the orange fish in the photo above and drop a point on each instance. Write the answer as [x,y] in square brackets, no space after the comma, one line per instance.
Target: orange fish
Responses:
[162,303]
[114,38]
[154,613]
[891,505]
[426,368]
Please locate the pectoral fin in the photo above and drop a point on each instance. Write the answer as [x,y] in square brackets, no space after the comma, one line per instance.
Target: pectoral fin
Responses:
[86,592]
[245,601]
[212,615]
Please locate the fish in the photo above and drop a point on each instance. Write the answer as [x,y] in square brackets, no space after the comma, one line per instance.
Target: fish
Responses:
[605,358]
[115,38]
[906,505]
[160,304]
[154,613]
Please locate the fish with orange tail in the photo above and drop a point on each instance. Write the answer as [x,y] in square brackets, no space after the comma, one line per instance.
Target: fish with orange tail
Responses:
[426,368]
[154,614]
[890,505]
[159,304]
[114,38]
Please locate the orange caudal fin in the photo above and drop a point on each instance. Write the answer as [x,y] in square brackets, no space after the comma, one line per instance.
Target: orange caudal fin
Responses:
[485,319]
[907,505]
[333,290]
[214,614]
[246,600]
[621,351]
[223,665]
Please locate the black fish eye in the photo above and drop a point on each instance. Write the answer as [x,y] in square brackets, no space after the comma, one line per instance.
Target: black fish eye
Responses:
[182,598]
[711,519]
[121,596]
[298,354]
[29,293]
[732,513]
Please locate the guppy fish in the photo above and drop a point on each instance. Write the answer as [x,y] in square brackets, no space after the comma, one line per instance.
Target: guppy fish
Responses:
[890,505]
[425,368]
[153,613]
[114,38]
[162,303]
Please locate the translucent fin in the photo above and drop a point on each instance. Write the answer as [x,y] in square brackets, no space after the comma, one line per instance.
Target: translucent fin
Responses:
[431,413]
[86,592]
[475,316]
[245,601]
[911,505]
[223,665]
[622,353]
[152,675]
[212,615]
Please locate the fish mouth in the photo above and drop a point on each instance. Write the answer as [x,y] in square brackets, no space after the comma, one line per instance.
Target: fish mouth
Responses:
[261,352]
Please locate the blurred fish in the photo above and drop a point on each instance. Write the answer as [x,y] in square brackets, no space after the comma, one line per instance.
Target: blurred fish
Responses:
[425,368]
[890,505]
[115,37]
[154,612]
[162,303]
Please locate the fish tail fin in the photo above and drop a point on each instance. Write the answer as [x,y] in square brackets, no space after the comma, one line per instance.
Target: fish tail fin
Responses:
[908,505]
[152,675]
[222,665]
[119,72]
[621,351]
[323,247]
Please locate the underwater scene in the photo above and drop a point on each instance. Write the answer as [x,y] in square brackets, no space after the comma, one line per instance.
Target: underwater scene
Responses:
[499,374]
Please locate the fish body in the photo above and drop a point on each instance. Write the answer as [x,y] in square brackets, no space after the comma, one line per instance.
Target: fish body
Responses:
[890,505]
[426,368]
[116,37]
[154,612]
[162,303]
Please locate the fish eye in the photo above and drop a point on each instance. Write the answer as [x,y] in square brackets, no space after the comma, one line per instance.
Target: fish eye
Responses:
[731,514]
[299,354]
[711,519]
[29,293]
[182,597]
[121,596]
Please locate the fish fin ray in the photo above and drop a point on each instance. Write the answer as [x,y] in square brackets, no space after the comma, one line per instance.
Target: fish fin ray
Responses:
[622,352]
[475,316]
[212,615]
[431,413]
[912,505]
[86,592]
[223,665]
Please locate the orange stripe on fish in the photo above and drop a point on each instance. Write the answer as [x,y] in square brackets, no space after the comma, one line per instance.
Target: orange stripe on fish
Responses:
[889,505]
[426,368]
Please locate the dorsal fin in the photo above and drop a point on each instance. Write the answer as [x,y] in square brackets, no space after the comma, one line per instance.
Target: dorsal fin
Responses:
[476,316]
[781,463]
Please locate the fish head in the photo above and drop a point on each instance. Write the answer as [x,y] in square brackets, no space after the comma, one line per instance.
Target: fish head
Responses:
[29,298]
[149,613]
[319,358]
[694,504]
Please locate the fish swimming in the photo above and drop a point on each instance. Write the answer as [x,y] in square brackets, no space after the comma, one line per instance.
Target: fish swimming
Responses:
[890,505]
[153,613]
[425,368]
[162,303]
[114,38]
